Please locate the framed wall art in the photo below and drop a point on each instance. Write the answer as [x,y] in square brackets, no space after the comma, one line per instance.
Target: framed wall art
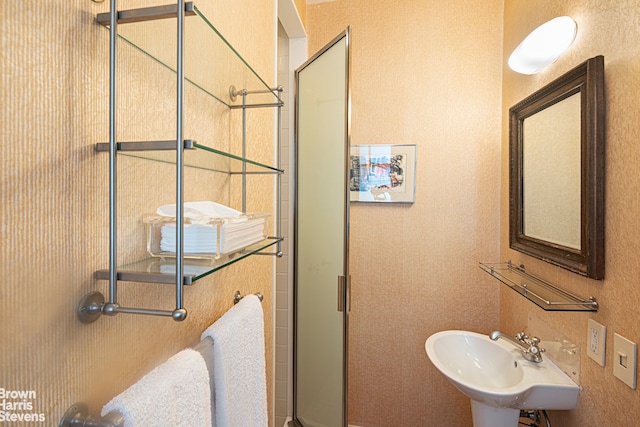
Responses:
[383,173]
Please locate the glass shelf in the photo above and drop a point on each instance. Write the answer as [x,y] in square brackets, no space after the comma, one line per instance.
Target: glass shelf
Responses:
[158,270]
[545,295]
[208,158]
[210,62]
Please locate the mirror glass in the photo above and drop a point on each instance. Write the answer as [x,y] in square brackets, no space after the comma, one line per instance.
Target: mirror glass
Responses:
[551,174]
[556,190]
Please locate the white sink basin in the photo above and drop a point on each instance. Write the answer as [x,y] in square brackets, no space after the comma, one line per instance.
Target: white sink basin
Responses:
[495,374]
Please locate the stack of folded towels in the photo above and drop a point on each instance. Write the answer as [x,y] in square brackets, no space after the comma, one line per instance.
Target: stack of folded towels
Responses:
[212,229]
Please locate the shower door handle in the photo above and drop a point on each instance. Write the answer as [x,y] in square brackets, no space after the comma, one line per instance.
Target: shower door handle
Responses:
[344,293]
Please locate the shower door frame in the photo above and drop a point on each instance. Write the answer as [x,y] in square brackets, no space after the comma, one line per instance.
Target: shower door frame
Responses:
[344,282]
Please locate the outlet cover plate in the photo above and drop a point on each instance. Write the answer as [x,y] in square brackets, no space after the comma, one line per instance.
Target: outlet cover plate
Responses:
[596,339]
[624,360]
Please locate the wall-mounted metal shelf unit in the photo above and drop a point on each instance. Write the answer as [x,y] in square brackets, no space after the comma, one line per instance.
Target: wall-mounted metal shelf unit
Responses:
[180,38]
[152,31]
[547,296]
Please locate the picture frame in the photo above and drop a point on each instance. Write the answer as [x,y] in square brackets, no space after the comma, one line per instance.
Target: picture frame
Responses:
[383,173]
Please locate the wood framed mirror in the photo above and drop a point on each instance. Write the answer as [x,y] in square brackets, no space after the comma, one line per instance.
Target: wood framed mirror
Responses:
[556,171]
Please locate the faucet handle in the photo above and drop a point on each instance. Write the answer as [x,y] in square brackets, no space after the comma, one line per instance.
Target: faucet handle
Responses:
[521,336]
[535,342]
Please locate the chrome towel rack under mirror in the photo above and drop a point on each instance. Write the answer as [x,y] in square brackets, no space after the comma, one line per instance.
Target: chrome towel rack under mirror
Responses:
[546,295]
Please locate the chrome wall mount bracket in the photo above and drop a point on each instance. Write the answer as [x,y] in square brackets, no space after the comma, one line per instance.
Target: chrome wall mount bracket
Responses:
[78,415]
[90,307]
[238,296]
[233,93]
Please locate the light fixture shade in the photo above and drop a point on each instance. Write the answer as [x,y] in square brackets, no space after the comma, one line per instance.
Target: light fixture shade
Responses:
[543,46]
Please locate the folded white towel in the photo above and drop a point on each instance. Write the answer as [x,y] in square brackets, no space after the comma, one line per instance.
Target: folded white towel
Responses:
[239,376]
[200,210]
[203,238]
[176,393]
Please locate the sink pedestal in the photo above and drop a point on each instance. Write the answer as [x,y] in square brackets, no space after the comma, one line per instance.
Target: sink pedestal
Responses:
[489,416]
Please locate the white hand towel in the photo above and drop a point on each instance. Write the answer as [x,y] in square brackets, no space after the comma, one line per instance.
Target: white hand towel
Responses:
[239,377]
[199,210]
[175,393]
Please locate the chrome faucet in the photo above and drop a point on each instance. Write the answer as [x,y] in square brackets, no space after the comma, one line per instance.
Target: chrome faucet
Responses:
[530,346]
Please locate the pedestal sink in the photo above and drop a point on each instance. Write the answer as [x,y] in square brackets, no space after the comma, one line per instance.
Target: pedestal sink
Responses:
[497,378]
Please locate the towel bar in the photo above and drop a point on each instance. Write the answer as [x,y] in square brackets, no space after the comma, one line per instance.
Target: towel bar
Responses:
[78,416]
[238,296]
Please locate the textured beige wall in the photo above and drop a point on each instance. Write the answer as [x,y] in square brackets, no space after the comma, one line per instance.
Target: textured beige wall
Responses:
[608,28]
[301,5]
[425,73]
[54,197]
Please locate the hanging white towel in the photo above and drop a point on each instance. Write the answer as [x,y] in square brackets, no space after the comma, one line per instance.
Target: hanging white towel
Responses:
[176,393]
[239,377]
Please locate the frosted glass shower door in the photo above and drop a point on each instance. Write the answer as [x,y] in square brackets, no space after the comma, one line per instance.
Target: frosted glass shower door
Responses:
[321,226]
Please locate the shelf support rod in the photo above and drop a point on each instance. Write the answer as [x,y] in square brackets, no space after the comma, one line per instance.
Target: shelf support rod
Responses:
[279,176]
[270,90]
[92,306]
[244,151]
[180,313]
[112,305]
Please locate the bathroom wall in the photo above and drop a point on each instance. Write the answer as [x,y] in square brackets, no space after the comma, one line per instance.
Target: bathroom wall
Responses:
[609,28]
[427,73]
[54,192]
[301,7]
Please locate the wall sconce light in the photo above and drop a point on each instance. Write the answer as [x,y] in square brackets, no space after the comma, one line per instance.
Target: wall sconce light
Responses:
[543,46]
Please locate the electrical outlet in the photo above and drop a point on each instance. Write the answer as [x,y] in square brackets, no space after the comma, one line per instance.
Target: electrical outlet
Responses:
[596,338]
